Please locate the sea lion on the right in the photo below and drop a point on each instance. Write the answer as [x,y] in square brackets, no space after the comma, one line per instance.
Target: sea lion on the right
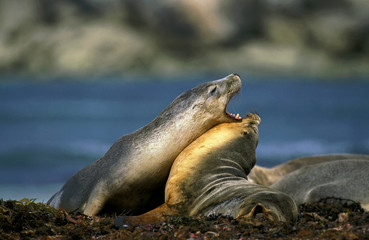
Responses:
[267,176]
[310,179]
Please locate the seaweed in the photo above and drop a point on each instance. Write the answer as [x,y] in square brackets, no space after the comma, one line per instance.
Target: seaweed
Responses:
[329,218]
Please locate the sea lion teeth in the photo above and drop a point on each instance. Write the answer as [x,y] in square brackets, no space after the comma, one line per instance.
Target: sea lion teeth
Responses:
[232,115]
[131,176]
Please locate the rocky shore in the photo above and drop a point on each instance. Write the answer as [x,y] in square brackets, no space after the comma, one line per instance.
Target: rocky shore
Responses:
[94,37]
[327,219]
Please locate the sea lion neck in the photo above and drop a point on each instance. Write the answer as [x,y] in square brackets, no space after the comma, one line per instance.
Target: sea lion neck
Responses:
[178,131]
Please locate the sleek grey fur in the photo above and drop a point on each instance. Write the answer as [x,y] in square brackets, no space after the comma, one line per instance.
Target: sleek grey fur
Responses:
[347,179]
[268,176]
[131,176]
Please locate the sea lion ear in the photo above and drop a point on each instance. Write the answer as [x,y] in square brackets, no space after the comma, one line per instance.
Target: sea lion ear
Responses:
[213,90]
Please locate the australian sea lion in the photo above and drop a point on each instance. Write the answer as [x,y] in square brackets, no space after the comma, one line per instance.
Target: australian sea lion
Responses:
[210,177]
[128,176]
[347,179]
[267,176]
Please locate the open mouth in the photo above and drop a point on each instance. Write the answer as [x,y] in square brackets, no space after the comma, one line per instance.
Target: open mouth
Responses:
[234,116]
[234,90]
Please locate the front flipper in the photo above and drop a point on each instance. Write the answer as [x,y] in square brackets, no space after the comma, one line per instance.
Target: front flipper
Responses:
[154,216]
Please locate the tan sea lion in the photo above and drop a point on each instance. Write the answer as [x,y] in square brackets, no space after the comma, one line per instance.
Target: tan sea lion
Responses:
[267,176]
[210,177]
[132,174]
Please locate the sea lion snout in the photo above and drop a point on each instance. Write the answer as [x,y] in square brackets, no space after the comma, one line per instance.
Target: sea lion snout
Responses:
[251,122]
[234,76]
[253,119]
[234,82]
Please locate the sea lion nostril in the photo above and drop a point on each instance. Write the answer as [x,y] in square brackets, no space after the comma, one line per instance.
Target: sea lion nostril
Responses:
[235,76]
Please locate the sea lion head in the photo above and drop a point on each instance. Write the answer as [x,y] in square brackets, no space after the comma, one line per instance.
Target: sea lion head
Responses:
[249,131]
[238,141]
[207,102]
[226,149]
[219,93]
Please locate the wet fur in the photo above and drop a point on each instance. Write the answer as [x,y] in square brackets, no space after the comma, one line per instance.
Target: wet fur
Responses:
[130,177]
[210,178]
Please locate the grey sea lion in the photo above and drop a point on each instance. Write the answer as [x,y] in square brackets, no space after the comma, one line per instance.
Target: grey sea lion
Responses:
[346,179]
[210,177]
[309,179]
[131,176]
[268,176]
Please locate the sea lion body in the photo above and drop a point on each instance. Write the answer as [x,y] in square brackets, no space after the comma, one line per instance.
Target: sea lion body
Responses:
[345,179]
[210,177]
[268,176]
[131,175]
[309,179]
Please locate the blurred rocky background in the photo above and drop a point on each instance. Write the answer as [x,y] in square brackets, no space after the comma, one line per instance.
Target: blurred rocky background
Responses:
[163,37]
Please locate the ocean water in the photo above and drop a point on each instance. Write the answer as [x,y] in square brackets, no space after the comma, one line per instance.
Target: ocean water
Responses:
[50,130]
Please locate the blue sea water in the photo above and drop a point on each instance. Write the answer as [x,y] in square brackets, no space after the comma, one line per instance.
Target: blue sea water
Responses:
[50,130]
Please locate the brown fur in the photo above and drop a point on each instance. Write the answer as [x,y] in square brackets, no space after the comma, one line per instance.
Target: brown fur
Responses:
[210,177]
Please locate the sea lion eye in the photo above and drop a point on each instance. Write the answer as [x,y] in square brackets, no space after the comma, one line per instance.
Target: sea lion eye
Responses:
[213,91]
